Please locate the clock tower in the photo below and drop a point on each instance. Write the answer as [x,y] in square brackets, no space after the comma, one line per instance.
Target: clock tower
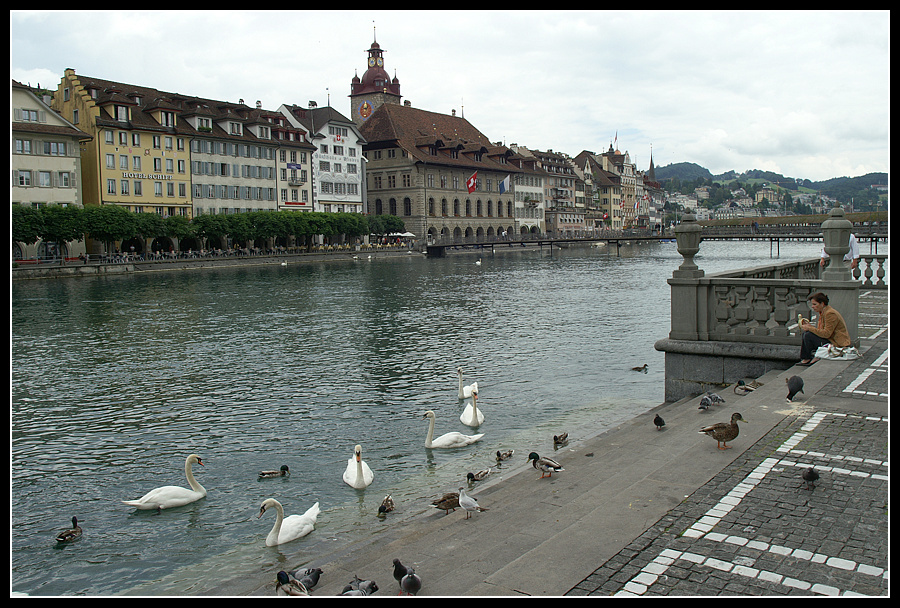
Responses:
[374,89]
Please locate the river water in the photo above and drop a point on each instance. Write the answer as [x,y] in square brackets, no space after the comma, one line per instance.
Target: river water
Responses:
[115,380]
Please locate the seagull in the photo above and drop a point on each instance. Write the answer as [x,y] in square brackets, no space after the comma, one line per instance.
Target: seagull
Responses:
[810,476]
[715,398]
[705,403]
[468,503]
[659,422]
[795,385]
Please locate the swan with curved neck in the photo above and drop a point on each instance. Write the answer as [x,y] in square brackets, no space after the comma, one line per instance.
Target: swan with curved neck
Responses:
[167,497]
[358,474]
[288,528]
[452,439]
[472,416]
[465,392]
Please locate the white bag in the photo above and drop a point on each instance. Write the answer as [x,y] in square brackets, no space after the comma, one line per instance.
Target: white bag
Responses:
[836,353]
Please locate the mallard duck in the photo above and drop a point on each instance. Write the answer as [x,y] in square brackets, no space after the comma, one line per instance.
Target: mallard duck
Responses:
[480,475]
[452,439]
[289,585]
[724,432]
[468,503]
[795,385]
[545,465]
[642,368]
[742,388]
[73,533]
[561,439]
[448,502]
[387,505]
[501,456]
[167,497]
[659,422]
[283,472]
[810,476]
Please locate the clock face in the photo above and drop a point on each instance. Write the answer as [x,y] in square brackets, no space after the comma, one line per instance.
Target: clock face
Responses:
[365,109]
[371,61]
[380,61]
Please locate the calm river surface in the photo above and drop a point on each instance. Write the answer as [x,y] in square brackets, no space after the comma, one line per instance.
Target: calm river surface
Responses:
[115,380]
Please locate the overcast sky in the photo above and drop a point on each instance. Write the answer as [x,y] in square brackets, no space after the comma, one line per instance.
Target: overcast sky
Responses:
[805,94]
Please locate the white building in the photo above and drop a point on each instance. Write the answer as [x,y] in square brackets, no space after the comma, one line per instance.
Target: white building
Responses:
[337,164]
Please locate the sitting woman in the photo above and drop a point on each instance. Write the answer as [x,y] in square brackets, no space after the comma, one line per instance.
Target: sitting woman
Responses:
[830,329]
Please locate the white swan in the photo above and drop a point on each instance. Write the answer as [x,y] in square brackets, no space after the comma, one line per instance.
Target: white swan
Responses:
[167,497]
[465,392]
[288,528]
[358,474]
[472,416]
[452,439]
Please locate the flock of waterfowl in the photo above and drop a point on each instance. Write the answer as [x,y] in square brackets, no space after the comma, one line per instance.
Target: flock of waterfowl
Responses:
[359,475]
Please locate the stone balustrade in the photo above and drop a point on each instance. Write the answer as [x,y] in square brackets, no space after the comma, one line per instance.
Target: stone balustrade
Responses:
[741,324]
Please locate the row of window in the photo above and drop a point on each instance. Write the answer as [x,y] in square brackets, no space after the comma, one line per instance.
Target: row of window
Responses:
[136,188]
[136,163]
[227,148]
[226,170]
[44,148]
[246,193]
[327,167]
[339,188]
[157,141]
[43,179]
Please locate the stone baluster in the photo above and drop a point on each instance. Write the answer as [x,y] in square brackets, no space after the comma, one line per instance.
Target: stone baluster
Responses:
[836,235]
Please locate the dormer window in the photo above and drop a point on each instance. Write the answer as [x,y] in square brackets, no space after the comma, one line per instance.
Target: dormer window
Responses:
[264,133]
[122,113]
[235,128]
[167,119]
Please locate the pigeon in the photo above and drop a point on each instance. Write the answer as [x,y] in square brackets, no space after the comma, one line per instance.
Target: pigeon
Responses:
[715,398]
[561,439]
[795,385]
[387,505]
[810,476]
[704,403]
[468,503]
[659,422]
[479,476]
[289,585]
[544,464]
[501,456]
[359,587]
[411,582]
[399,570]
[308,577]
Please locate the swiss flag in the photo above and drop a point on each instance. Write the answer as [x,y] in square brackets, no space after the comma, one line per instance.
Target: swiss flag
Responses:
[470,183]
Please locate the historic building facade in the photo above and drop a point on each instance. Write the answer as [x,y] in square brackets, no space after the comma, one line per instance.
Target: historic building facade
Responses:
[45,161]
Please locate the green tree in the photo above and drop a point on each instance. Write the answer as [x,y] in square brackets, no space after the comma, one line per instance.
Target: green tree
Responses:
[210,226]
[178,227]
[61,225]
[109,223]
[27,224]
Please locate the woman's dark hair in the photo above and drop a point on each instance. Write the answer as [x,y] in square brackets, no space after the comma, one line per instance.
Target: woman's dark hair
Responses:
[819,297]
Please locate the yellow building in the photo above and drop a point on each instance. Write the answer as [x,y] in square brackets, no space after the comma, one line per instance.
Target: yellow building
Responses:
[139,154]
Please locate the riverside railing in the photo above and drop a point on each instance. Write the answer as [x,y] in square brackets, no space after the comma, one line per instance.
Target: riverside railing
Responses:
[738,324]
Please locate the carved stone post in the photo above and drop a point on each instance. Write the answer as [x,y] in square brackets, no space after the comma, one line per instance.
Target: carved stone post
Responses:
[687,235]
[836,234]
[688,299]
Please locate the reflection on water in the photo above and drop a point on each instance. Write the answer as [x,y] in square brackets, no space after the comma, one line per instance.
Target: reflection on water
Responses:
[115,380]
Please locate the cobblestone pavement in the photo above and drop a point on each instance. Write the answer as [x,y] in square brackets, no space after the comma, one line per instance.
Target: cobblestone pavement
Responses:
[755,529]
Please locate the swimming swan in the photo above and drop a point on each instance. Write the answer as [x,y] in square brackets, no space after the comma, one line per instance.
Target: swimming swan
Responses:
[358,474]
[472,416]
[452,439]
[167,497]
[465,392]
[288,528]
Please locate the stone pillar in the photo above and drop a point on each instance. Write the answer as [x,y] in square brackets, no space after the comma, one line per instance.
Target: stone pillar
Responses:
[836,234]
[686,304]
